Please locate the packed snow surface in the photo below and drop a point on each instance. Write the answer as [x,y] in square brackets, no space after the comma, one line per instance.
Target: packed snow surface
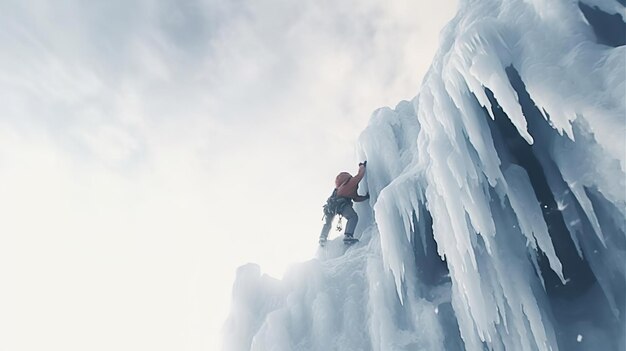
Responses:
[498,201]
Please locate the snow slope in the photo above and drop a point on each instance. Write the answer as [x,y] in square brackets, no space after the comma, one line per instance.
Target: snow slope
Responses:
[497,215]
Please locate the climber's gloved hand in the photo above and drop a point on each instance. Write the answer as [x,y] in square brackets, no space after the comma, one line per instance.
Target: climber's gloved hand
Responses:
[364,163]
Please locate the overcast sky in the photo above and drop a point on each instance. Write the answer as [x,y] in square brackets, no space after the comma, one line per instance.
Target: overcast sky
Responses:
[149,148]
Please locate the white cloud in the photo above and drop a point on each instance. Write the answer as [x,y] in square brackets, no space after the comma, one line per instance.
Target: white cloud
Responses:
[148,148]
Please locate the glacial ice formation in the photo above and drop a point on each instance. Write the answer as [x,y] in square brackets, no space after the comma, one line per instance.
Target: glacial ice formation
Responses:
[498,201]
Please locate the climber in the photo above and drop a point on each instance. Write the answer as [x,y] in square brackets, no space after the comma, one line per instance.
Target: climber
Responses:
[340,203]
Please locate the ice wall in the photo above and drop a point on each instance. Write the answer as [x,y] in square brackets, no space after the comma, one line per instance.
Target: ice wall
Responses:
[497,216]
[520,163]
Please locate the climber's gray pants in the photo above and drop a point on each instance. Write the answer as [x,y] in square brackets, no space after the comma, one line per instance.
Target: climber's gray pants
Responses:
[349,214]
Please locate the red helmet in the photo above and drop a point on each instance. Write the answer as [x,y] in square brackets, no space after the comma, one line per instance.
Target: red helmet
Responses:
[342,178]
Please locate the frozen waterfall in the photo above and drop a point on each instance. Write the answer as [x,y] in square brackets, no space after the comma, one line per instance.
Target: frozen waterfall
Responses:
[498,201]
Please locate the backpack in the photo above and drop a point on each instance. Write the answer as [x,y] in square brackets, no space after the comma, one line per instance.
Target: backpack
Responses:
[334,204]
